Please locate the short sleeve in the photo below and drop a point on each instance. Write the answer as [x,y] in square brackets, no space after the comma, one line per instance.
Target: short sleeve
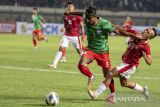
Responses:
[147,49]
[79,18]
[40,17]
[107,26]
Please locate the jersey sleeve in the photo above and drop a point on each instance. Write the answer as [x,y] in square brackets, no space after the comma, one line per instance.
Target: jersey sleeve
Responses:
[40,17]
[147,49]
[107,26]
[79,19]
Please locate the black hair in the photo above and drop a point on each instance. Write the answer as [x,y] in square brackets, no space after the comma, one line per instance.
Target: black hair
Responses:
[35,8]
[90,11]
[70,2]
[155,31]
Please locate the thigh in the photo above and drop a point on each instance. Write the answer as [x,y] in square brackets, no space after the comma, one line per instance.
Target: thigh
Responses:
[64,41]
[87,58]
[103,60]
[122,80]
[34,33]
[125,70]
[76,42]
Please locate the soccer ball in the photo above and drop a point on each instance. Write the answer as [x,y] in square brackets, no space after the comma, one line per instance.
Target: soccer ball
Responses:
[52,98]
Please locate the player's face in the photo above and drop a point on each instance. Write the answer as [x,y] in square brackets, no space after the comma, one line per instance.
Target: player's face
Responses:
[71,7]
[148,33]
[92,20]
[34,11]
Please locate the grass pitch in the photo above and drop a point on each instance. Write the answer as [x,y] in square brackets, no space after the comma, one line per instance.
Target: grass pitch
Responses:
[25,78]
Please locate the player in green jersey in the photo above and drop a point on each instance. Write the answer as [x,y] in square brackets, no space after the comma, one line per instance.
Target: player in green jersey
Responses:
[38,21]
[97,30]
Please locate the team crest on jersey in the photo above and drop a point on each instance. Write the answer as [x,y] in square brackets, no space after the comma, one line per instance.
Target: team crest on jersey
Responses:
[98,31]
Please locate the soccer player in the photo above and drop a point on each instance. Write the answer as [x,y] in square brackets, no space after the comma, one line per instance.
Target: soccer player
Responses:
[130,60]
[72,24]
[127,25]
[39,22]
[97,30]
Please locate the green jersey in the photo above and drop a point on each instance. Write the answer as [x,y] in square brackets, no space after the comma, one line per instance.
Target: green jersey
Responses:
[97,36]
[37,20]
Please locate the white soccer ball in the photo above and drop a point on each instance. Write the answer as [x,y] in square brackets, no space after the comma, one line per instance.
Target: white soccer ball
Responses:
[52,98]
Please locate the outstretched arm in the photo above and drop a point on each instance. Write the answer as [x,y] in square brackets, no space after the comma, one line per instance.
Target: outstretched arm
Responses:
[120,31]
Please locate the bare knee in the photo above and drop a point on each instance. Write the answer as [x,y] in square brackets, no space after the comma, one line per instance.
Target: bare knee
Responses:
[124,83]
[61,49]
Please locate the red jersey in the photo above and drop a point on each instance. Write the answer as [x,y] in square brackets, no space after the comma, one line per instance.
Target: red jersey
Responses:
[128,24]
[134,51]
[72,25]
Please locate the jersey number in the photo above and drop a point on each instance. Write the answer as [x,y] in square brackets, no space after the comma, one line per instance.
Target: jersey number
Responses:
[70,22]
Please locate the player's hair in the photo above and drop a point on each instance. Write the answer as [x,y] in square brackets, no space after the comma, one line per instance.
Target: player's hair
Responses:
[70,2]
[35,8]
[91,11]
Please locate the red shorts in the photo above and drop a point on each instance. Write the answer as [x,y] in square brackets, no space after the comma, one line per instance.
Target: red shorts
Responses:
[37,33]
[103,59]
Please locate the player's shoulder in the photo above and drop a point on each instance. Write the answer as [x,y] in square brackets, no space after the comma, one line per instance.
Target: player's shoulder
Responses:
[144,44]
[103,20]
[40,16]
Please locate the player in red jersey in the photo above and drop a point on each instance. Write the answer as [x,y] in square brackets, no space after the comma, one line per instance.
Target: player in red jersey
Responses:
[130,60]
[127,25]
[72,26]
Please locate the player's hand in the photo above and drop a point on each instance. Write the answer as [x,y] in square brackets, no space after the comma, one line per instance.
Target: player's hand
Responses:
[144,54]
[43,25]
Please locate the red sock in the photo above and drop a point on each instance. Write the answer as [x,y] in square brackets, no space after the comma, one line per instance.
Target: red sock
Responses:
[111,86]
[64,53]
[34,42]
[83,47]
[85,70]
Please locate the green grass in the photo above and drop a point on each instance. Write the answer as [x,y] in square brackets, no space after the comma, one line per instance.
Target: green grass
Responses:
[23,88]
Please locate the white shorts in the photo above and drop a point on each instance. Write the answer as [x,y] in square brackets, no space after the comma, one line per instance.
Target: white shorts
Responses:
[74,40]
[125,70]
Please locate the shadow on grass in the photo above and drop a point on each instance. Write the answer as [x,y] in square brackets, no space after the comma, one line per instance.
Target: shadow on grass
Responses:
[78,100]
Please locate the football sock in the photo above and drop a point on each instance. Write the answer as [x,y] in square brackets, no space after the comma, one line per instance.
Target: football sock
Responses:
[85,70]
[138,88]
[100,89]
[57,57]
[34,42]
[111,86]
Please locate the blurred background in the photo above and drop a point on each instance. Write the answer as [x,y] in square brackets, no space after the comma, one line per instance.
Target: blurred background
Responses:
[143,12]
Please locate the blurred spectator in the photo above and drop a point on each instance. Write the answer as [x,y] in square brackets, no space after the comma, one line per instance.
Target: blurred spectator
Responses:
[115,5]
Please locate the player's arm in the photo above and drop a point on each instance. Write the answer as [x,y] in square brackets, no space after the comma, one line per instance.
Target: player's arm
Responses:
[147,58]
[42,21]
[63,29]
[120,31]
[82,29]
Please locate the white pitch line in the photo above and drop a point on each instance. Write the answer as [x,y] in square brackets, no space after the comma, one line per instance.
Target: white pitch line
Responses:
[66,72]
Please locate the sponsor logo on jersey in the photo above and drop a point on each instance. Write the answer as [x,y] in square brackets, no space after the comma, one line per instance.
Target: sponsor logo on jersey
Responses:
[98,31]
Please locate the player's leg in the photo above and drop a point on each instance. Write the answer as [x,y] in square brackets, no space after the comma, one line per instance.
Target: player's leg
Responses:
[63,44]
[102,87]
[112,96]
[103,60]
[76,42]
[133,85]
[40,36]
[34,39]
[83,67]
[63,58]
